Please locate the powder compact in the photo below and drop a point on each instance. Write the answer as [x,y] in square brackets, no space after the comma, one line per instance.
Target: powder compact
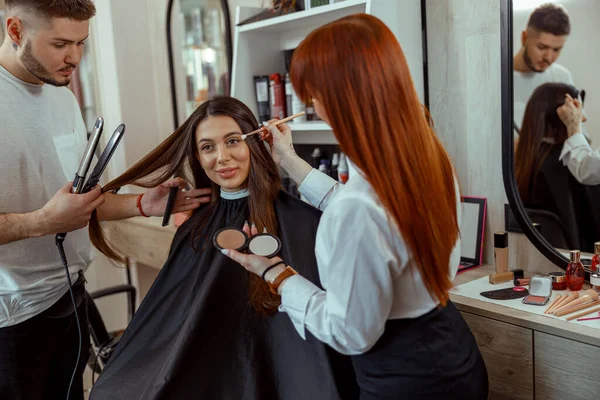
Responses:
[559,280]
[540,290]
[263,244]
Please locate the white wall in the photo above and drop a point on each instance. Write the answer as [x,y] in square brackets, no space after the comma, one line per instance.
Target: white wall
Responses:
[465,88]
[581,54]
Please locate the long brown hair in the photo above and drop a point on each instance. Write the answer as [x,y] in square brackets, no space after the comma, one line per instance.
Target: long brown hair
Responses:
[355,67]
[540,123]
[178,155]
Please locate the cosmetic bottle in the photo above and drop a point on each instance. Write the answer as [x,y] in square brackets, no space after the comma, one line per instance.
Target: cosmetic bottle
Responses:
[343,169]
[289,94]
[595,281]
[310,111]
[335,161]
[261,86]
[297,106]
[277,96]
[596,257]
[316,158]
[501,251]
[575,272]
[324,168]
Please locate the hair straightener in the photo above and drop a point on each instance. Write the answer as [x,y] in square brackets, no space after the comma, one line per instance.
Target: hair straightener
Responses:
[80,186]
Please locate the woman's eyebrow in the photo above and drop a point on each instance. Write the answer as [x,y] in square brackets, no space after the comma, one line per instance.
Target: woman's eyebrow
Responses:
[224,137]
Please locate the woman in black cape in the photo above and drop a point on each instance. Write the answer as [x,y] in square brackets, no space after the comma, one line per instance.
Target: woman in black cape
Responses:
[208,329]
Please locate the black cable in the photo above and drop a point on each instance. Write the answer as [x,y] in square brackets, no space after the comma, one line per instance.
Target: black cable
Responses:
[96,362]
[61,251]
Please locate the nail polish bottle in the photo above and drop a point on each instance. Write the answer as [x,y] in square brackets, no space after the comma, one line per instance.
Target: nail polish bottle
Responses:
[575,272]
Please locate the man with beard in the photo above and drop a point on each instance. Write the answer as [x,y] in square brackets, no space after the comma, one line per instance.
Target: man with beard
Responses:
[42,140]
[534,64]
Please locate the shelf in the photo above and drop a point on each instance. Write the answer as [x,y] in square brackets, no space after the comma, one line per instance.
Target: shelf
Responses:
[309,126]
[315,17]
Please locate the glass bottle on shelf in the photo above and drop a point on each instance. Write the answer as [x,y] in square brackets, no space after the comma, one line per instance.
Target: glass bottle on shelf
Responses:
[310,111]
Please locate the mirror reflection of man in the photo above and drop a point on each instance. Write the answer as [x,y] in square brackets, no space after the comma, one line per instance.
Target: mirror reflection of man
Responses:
[534,64]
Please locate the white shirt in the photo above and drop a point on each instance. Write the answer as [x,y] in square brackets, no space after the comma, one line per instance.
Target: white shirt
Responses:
[525,83]
[364,266]
[581,160]
[42,140]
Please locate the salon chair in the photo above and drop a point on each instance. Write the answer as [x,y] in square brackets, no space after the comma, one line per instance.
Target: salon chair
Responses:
[551,228]
[103,341]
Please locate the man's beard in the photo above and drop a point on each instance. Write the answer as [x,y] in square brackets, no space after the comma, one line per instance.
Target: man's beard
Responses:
[36,68]
[528,61]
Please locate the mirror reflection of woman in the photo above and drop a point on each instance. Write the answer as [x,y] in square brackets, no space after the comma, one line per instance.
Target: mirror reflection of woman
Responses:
[207,329]
[388,243]
[549,160]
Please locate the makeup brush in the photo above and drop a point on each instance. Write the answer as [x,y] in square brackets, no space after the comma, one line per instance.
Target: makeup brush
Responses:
[571,310]
[281,121]
[567,298]
[584,297]
[554,302]
[587,312]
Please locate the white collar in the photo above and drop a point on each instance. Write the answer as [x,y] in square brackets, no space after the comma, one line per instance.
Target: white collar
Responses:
[240,194]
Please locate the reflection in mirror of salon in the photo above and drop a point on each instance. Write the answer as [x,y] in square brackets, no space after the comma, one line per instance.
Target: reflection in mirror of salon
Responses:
[556,57]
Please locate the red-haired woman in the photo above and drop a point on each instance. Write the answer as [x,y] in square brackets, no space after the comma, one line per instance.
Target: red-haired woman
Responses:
[388,244]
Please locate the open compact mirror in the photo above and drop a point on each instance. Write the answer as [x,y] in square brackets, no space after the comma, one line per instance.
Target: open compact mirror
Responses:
[263,244]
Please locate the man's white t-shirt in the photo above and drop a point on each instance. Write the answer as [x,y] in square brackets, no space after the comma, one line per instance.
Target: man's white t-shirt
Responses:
[42,140]
[525,83]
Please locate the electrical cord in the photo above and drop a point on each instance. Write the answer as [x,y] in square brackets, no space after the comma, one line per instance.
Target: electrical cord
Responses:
[59,243]
[99,354]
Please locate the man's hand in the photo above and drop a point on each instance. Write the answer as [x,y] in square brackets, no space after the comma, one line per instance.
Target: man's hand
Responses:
[66,212]
[154,201]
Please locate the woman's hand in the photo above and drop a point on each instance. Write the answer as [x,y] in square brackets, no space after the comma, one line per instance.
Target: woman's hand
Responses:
[571,114]
[280,139]
[154,200]
[253,263]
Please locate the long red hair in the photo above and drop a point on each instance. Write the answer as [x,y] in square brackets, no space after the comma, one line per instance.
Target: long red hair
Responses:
[356,69]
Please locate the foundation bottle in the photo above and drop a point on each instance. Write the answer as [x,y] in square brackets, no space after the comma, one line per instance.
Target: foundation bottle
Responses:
[501,251]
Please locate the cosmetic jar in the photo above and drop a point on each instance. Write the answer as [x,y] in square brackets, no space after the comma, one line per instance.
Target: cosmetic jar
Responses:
[595,281]
[559,280]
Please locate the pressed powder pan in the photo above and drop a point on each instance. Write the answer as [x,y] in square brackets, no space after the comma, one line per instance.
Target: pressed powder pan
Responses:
[230,238]
[263,244]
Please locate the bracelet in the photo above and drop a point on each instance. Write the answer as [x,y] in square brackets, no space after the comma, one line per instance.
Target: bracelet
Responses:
[139,205]
[270,268]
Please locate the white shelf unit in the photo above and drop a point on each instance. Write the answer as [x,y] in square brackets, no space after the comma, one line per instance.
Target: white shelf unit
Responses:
[258,48]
